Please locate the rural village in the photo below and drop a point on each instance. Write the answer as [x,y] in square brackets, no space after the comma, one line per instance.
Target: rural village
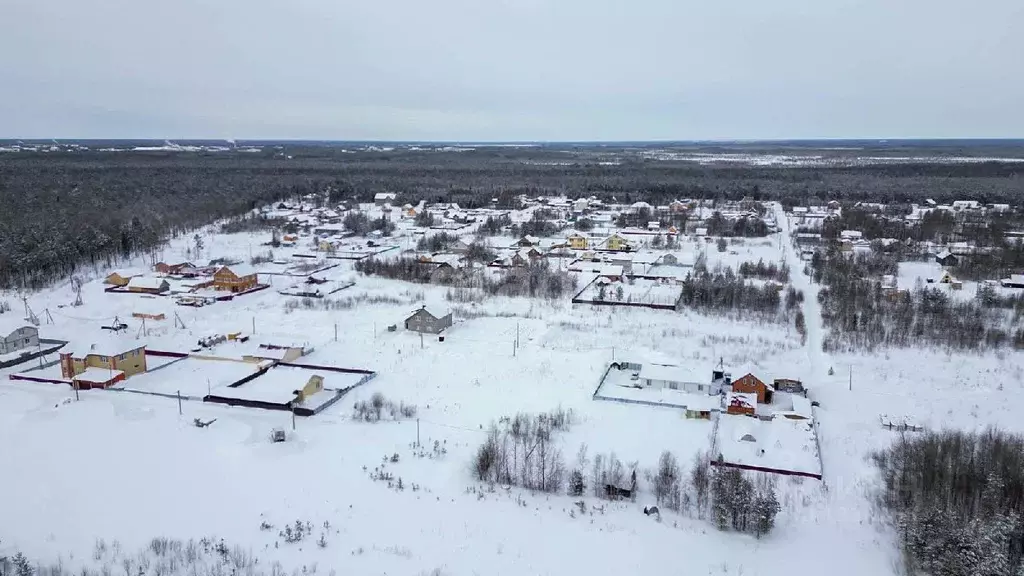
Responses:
[693,328]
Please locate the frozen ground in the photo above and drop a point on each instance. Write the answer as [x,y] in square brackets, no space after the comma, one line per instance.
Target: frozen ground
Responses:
[128,467]
[193,377]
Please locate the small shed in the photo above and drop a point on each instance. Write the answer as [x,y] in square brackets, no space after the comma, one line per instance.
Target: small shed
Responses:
[946,258]
[117,279]
[428,321]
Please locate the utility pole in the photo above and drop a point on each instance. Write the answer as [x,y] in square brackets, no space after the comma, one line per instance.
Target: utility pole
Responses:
[851,377]
[179,402]
[293,420]
[517,334]
[76,389]
[335,331]
[421,340]
[417,432]
[253,324]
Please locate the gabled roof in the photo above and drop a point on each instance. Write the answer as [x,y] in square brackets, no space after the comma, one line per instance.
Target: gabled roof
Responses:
[239,270]
[741,399]
[436,313]
[668,373]
[9,323]
[147,282]
[104,345]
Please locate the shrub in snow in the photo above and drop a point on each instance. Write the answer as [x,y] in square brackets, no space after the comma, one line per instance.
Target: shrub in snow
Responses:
[577,484]
[377,406]
[161,557]
[519,451]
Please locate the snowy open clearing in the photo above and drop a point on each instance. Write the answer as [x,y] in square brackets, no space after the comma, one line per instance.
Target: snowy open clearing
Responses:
[128,467]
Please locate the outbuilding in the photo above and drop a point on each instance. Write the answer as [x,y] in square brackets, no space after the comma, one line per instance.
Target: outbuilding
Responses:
[147,285]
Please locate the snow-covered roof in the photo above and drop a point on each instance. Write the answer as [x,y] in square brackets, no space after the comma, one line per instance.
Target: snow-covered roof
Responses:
[104,345]
[147,282]
[600,268]
[701,232]
[748,399]
[450,259]
[241,270]
[94,374]
[646,257]
[385,196]
[943,255]
[433,311]
[9,323]
[667,373]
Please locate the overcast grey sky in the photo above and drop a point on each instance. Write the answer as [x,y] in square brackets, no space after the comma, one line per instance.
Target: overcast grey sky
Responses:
[511,69]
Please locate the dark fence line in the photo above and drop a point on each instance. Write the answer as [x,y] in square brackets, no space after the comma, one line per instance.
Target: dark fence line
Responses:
[764,469]
[327,368]
[166,353]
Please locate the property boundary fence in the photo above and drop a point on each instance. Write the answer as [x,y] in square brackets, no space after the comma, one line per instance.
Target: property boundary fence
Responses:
[765,469]
[577,300]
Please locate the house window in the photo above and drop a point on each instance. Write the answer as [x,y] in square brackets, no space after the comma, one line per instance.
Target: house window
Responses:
[673,386]
[28,340]
[103,358]
[700,387]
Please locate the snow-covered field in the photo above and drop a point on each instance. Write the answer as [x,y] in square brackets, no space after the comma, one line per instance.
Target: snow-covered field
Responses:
[127,467]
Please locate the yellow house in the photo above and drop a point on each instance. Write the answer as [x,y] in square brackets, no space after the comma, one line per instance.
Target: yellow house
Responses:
[315,384]
[616,242]
[578,241]
[236,278]
[116,279]
[120,359]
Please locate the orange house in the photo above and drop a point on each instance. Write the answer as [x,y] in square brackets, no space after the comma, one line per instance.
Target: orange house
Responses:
[751,384]
[237,278]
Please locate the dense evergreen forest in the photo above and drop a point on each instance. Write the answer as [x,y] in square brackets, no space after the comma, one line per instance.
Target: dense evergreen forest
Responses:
[65,209]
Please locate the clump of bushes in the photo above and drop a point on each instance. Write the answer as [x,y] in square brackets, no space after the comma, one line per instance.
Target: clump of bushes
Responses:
[765,271]
[378,407]
[519,451]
